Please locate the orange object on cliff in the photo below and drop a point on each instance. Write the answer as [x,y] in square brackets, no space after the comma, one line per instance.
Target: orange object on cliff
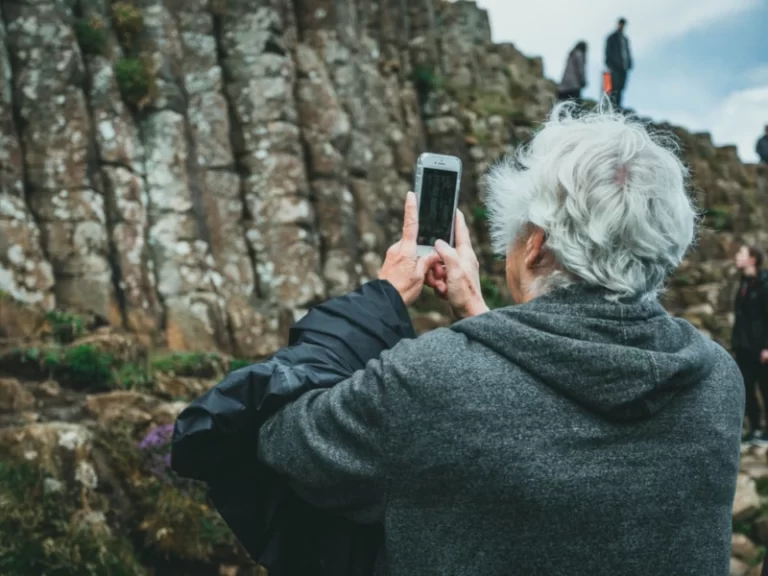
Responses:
[607,84]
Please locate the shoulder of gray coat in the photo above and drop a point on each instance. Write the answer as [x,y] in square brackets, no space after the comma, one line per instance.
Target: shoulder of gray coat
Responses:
[428,355]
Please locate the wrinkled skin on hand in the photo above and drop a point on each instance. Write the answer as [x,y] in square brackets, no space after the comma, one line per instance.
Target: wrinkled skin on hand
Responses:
[402,267]
[456,278]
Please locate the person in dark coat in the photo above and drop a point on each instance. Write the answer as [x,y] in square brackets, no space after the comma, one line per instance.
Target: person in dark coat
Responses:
[574,77]
[749,340]
[762,147]
[618,59]
[214,437]
[557,436]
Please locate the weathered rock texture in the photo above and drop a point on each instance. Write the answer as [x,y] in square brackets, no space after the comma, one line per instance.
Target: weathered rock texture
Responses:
[194,175]
[265,167]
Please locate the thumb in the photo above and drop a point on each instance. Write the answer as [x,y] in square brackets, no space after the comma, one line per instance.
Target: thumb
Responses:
[463,238]
[410,219]
[448,255]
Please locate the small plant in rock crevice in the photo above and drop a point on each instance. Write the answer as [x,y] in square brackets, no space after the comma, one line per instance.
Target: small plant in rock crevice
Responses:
[237,363]
[131,376]
[135,81]
[194,364]
[65,326]
[91,37]
[82,366]
[760,556]
[128,22]
[426,79]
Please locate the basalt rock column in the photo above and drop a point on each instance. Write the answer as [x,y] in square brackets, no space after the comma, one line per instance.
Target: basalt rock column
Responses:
[259,82]
[25,273]
[55,127]
[121,163]
[187,277]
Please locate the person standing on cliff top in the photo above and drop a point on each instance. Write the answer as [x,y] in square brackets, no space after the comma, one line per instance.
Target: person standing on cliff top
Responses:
[574,77]
[618,59]
[762,147]
[750,335]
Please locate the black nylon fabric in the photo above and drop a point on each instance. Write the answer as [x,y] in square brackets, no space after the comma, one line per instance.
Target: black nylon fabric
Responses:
[215,437]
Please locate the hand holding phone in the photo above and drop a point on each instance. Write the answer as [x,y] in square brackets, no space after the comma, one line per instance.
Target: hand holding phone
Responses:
[438,179]
[456,278]
[403,267]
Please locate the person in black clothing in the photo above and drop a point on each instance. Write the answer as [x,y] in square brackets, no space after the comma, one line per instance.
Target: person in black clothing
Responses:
[618,59]
[750,334]
[762,147]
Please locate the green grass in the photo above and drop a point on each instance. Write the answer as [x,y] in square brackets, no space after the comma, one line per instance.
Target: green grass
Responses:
[196,364]
[65,326]
[237,363]
[426,79]
[90,36]
[491,294]
[134,80]
[133,377]
[718,218]
[81,366]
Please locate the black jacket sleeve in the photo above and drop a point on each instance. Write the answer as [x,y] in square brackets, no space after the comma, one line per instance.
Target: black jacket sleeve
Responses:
[764,313]
[215,438]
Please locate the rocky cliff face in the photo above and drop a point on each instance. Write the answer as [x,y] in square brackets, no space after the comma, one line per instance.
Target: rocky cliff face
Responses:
[198,173]
[180,180]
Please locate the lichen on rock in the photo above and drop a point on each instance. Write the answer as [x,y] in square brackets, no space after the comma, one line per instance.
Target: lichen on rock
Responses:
[181,181]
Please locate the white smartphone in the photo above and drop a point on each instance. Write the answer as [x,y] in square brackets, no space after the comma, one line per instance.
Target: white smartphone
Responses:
[438,178]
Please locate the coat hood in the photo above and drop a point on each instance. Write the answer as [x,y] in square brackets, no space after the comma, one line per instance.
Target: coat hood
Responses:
[624,361]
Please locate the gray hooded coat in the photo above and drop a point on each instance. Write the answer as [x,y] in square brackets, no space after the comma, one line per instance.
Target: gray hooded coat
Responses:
[569,435]
[574,77]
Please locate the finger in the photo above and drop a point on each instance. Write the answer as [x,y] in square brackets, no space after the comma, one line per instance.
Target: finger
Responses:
[439,286]
[410,219]
[438,270]
[463,239]
[425,263]
[448,255]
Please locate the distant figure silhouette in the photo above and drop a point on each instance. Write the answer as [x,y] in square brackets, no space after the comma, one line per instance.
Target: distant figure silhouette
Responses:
[574,77]
[618,59]
[762,147]
[749,340]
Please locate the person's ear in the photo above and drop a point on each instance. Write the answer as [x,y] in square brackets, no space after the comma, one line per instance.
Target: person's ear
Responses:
[534,247]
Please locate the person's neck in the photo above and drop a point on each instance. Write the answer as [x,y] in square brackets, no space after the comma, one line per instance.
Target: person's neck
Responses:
[750,272]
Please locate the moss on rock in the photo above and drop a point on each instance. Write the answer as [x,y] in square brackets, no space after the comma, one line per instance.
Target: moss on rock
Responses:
[42,532]
[128,22]
[135,81]
[170,514]
[194,364]
[91,36]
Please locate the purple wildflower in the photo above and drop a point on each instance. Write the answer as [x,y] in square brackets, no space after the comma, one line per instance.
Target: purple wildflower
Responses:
[159,436]
[156,447]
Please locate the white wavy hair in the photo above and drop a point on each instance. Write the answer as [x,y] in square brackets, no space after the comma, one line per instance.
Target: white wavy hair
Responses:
[609,195]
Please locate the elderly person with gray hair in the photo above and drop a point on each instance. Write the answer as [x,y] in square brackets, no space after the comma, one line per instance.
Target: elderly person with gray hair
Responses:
[581,431]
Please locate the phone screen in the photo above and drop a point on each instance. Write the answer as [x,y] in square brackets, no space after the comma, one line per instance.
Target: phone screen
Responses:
[438,194]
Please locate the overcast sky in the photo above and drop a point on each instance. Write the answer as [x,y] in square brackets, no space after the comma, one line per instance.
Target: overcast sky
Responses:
[702,64]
